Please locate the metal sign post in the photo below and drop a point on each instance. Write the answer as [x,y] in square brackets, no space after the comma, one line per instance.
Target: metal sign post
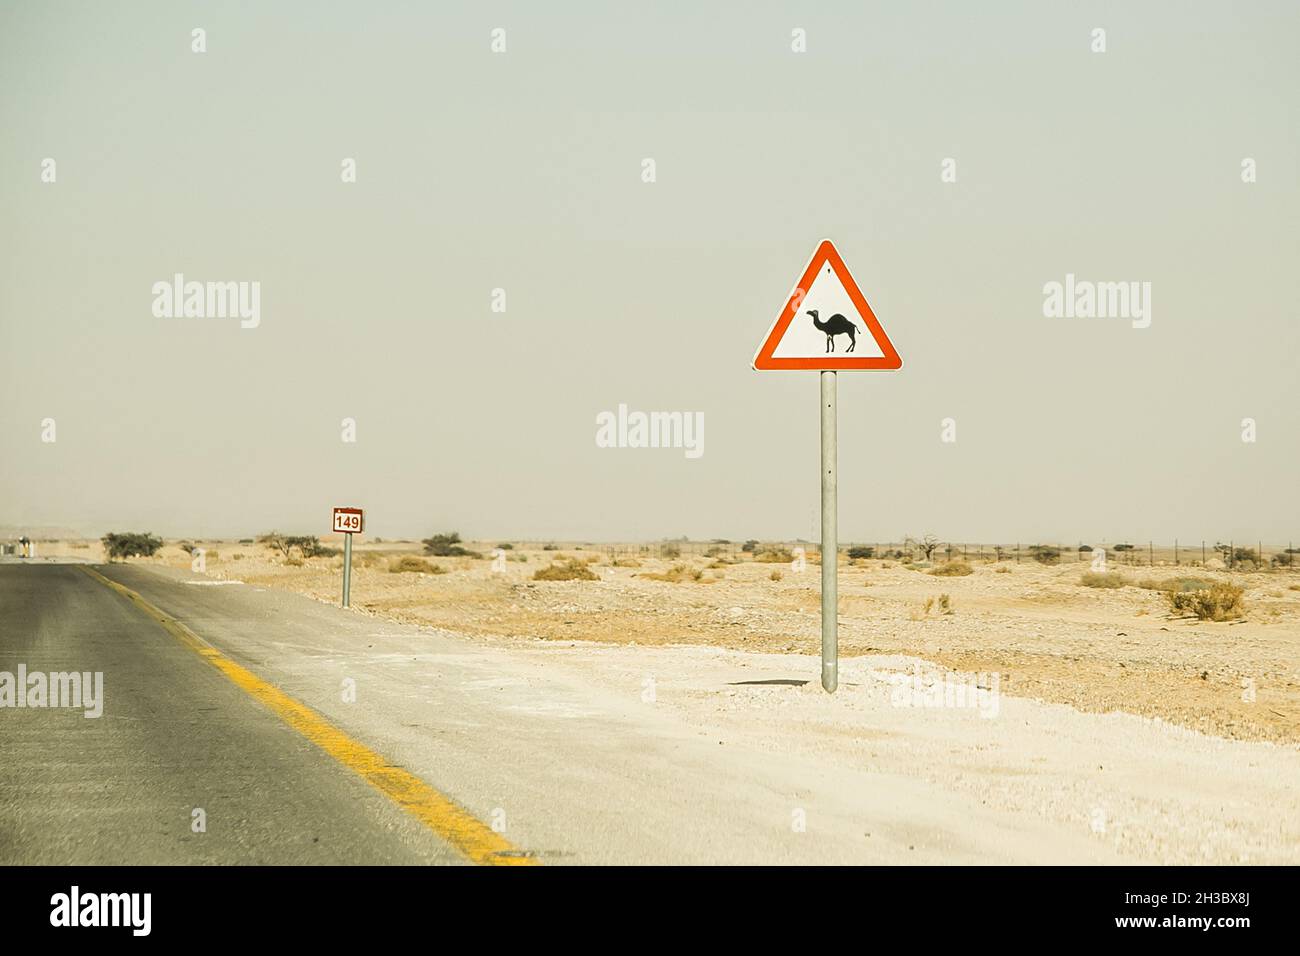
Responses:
[830,540]
[347,570]
[825,320]
[347,522]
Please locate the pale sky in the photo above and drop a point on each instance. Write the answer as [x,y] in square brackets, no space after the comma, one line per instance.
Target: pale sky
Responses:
[523,170]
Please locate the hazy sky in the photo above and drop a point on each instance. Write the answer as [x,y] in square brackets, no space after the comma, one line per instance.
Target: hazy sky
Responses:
[523,170]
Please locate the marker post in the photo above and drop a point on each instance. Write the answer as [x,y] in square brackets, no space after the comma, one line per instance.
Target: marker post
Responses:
[347,570]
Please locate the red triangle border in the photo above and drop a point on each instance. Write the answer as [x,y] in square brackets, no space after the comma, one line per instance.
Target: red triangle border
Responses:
[827,253]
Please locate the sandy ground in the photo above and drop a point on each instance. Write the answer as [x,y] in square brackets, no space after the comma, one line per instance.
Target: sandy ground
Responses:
[1041,721]
[1037,627]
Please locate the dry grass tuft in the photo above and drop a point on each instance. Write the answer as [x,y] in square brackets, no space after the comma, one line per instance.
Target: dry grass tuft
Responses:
[410,564]
[1102,579]
[677,574]
[569,569]
[952,569]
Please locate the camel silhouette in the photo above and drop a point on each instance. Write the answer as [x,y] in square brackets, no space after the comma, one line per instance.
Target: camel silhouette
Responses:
[834,326]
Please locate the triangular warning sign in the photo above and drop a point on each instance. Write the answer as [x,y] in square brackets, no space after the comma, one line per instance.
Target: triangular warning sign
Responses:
[826,323]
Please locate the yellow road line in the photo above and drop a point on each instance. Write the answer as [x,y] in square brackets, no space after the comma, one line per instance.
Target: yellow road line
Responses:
[475,839]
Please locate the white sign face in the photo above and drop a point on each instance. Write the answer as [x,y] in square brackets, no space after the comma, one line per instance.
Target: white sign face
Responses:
[348,520]
[826,323]
[827,318]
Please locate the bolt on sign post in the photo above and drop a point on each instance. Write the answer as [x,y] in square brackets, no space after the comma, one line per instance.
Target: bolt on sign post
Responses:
[826,326]
[347,522]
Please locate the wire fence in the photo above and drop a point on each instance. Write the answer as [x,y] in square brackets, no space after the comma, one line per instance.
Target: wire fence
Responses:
[1194,553]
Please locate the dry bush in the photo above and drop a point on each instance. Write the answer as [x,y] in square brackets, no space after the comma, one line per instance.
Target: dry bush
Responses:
[626,563]
[676,575]
[953,569]
[1102,579]
[1221,602]
[1002,569]
[945,604]
[775,556]
[567,570]
[775,575]
[410,564]
[293,561]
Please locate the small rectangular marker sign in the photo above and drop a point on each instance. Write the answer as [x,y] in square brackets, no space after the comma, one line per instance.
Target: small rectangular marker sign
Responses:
[349,520]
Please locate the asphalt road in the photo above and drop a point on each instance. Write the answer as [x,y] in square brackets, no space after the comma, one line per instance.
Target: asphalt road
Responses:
[175,735]
[311,734]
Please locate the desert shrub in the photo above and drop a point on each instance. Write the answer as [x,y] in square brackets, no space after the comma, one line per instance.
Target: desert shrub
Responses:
[714,552]
[775,575]
[308,545]
[858,551]
[186,546]
[568,570]
[1002,569]
[670,549]
[626,563]
[750,546]
[445,545]
[945,604]
[293,561]
[1221,602]
[1045,554]
[128,544]
[245,540]
[1085,547]
[236,557]
[1102,579]
[677,574]
[952,569]
[409,563]
[506,546]
[1121,547]
[774,556]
